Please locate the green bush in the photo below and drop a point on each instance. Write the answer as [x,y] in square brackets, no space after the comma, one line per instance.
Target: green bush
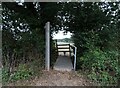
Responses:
[23,72]
[102,65]
[5,74]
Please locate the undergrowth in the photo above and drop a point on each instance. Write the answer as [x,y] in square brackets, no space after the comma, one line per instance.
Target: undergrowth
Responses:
[23,72]
[100,66]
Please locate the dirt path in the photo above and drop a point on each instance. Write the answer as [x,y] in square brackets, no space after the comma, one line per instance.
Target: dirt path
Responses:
[55,78]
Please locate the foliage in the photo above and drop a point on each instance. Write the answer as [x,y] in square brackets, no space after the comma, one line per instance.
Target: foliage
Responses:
[23,71]
[96,36]
[102,66]
[23,39]
[5,74]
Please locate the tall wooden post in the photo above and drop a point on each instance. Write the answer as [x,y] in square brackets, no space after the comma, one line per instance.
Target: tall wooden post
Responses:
[47,47]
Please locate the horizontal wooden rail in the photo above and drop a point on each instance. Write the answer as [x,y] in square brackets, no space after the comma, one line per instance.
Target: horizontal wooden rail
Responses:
[63,47]
[64,51]
[63,44]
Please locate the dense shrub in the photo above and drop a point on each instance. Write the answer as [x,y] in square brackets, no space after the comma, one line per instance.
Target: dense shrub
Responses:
[101,65]
[23,71]
[5,74]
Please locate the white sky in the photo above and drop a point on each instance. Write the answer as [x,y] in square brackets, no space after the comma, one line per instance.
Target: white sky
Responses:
[60,35]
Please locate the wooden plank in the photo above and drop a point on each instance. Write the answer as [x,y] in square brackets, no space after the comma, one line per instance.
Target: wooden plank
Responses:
[63,47]
[63,51]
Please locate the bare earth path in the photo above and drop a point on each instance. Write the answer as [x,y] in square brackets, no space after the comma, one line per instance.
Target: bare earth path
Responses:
[56,78]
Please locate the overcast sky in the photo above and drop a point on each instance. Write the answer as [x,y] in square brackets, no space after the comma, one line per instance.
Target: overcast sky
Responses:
[60,35]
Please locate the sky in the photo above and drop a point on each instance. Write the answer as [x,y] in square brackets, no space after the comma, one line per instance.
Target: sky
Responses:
[60,35]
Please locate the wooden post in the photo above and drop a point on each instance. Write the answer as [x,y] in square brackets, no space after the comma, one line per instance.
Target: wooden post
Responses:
[47,48]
